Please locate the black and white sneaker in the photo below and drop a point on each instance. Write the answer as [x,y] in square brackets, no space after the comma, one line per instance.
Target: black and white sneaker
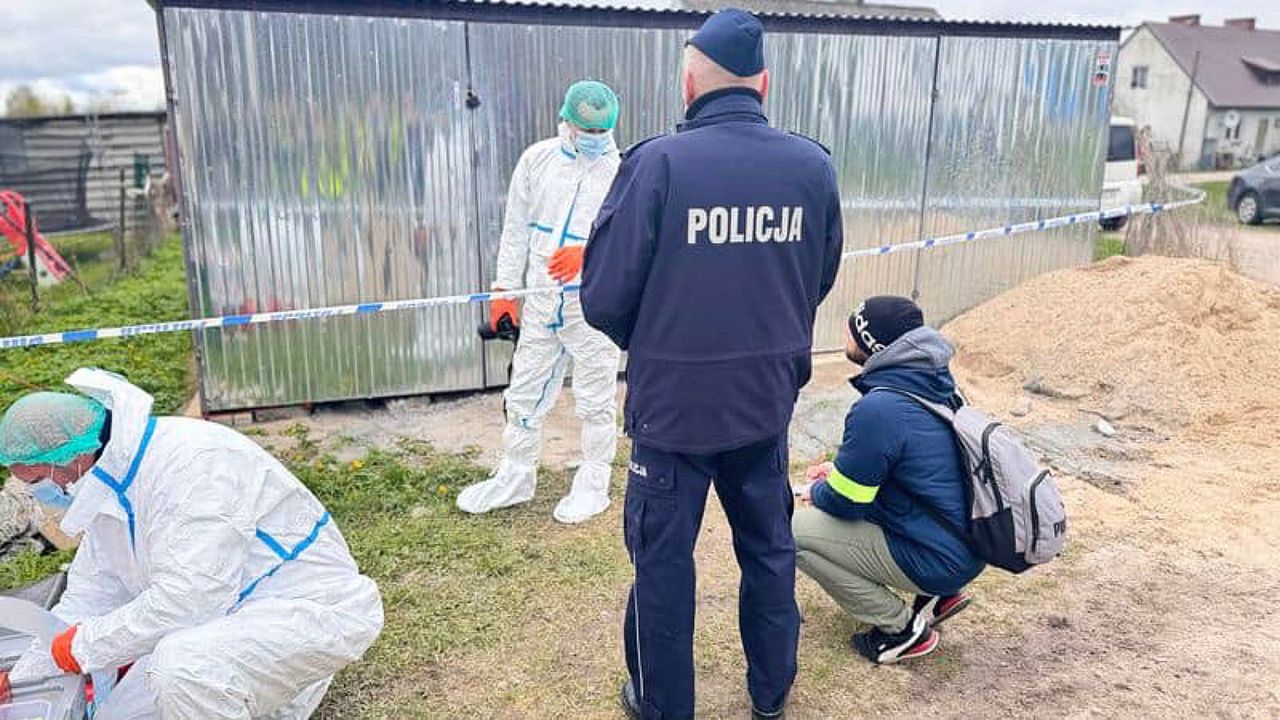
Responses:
[882,648]
[936,608]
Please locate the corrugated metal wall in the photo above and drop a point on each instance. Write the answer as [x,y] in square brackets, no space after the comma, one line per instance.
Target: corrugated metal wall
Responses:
[1018,134]
[326,161]
[330,160]
[867,99]
[39,158]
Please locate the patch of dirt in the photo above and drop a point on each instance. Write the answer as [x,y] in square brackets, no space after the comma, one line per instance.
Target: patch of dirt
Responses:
[1256,253]
[1149,613]
[474,421]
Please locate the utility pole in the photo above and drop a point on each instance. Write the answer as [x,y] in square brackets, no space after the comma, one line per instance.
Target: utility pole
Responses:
[1186,111]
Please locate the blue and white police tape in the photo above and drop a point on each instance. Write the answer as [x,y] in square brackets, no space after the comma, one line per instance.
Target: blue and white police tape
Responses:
[1032,226]
[229,321]
[370,308]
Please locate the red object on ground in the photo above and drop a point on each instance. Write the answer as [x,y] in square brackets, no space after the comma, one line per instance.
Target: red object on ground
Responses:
[13,225]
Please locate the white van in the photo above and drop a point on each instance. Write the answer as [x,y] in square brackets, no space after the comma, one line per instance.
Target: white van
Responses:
[1122,180]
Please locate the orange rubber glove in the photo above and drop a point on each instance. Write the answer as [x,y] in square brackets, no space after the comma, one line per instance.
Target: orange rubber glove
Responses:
[61,651]
[6,690]
[503,306]
[566,263]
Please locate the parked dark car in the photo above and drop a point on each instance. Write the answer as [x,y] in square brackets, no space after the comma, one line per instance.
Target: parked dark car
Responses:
[1254,195]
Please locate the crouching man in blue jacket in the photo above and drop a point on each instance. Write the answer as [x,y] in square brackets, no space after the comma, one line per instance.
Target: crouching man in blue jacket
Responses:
[873,521]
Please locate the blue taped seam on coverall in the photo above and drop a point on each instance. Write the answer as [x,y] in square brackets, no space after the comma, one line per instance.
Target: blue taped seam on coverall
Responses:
[546,387]
[286,556]
[121,487]
[564,234]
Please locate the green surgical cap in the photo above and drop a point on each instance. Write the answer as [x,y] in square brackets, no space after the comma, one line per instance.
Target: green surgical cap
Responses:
[590,105]
[47,428]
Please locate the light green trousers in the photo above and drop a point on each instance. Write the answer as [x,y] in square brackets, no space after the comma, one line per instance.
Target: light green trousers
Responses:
[851,561]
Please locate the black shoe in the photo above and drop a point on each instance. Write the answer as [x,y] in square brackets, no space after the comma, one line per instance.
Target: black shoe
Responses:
[937,608]
[630,703]
[779,714]
[884,648]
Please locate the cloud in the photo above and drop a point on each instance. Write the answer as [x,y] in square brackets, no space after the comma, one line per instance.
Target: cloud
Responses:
[123,88]
[69,38]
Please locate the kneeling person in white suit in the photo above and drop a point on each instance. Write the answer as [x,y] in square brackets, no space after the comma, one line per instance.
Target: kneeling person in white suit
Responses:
[204,562]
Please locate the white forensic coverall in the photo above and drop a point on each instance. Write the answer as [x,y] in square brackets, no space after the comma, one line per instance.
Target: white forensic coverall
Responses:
[553,200]
[210,567]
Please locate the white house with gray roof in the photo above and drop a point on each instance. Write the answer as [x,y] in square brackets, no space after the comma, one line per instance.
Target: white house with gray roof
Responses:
[1209,95]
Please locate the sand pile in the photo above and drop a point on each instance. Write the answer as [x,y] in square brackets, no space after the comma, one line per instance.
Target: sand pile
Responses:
[1183,343]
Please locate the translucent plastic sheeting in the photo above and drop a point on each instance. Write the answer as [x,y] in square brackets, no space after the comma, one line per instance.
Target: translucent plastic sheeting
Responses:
[32,620]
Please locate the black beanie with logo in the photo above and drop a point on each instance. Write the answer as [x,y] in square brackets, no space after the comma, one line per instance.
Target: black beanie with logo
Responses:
[881,320]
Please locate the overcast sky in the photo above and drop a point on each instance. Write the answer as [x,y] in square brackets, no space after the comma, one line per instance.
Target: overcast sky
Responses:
[106,50]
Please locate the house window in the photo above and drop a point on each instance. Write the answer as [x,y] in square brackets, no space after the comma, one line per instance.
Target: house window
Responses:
[1139,79]
[1233,133]
[1276,123]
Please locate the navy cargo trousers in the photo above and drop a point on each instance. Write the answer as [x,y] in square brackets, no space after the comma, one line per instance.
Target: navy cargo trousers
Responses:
[666,496]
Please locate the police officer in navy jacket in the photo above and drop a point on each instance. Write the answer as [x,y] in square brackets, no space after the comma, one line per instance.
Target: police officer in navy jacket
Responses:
[707,262]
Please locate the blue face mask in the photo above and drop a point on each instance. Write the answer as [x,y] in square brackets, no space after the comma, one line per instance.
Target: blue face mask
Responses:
[48,493]
[593,146]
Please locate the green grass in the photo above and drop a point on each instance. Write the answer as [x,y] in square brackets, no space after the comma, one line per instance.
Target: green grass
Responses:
[1215,202]
[451,584]
[28,568]
[155,291]
[1109,244]
[91,255]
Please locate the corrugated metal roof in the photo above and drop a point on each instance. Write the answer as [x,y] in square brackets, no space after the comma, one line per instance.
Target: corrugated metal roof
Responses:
[834,17]
[790,8]
[87,117]
[1223,73]
[812,8]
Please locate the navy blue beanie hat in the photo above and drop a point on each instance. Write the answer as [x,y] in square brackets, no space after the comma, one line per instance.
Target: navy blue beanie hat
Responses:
[734,39]
[881,320]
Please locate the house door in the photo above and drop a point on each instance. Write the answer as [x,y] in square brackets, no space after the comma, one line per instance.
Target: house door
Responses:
[1260,142]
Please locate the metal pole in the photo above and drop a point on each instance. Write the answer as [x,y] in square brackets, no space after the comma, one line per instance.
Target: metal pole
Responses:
[1186,111]
[31,257]
[120,249]
[928,165]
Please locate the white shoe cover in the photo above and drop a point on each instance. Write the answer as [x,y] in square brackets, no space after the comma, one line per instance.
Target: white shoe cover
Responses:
[588,497]
[509,486]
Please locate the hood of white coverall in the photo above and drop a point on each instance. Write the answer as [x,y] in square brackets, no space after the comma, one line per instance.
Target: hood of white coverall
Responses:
[130,408]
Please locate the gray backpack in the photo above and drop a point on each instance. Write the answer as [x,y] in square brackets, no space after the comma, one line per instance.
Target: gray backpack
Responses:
[1016,516]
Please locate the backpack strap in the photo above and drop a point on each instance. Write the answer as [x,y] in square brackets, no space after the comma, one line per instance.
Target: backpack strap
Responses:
[949,416]
[942,411]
